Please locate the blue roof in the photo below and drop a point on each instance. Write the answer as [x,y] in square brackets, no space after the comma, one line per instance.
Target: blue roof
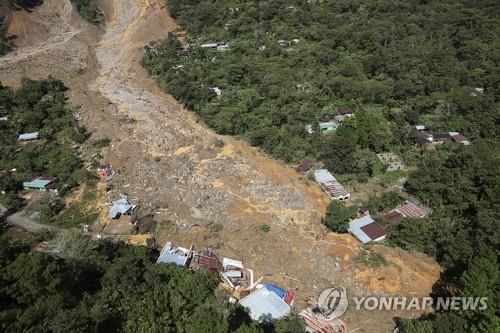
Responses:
[278,291]
[356,225]
[263,302]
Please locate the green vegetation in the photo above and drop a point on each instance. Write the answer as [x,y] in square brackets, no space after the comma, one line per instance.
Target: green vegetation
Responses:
[264,227]
[370,259]
[5,43]
[337,216]
[38,106]
[21,4]
[397,64]
[88,10]
[101,143]
[77,213]
[90,286]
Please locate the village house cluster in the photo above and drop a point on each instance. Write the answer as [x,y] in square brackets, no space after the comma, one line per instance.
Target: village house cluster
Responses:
[261,299]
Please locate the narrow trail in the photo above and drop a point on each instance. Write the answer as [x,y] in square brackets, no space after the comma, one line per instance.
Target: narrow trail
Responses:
[167,158]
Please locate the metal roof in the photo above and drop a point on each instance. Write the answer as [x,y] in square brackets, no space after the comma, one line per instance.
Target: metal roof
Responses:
[335,190]
[263,302]
[356,228]
[38,182]
[173,255]
[28,136]
[409,209]
[323,176]
[226,262]
[120,206]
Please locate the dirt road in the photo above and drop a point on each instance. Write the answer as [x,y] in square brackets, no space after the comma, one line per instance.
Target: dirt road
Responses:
[166,157]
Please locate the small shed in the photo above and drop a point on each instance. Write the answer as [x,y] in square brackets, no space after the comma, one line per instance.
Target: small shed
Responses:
[264,302]
[207,259]
[420,128]
[347,111]
[366,230]
[408,209]
[330,185]
[28,136]
[40,184]
[459,138]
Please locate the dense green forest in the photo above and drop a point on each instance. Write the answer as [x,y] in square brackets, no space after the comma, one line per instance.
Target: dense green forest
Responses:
[97,286]
[287,64]
[38,106]
[396,63]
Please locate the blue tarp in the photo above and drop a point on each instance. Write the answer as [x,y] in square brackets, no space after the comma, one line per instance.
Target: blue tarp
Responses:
[278,291]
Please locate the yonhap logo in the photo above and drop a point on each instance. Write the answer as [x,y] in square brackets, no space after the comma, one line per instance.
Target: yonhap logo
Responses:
[333,302]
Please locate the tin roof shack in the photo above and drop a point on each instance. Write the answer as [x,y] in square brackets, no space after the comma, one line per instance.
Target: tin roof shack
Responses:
[120,207]
[391,161]
[366,230]
[206,259]
[325,127]
[459,138]
[265,303]
[330,185]
[175,255]
[233,273]
[419,128]
[406,210]
[41,184]
[28,137]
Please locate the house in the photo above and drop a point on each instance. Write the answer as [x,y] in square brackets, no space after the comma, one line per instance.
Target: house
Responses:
[406,210]
[41,184]
[265,303]
[28,136]
[105,172]
[233,272]
[347,111]
[328,126]
[424,138]
[420,128]
[4,118]
[120,207]
[459,138]
[453,136]
[366,230]
[391,161]
[330,185]
[174,255]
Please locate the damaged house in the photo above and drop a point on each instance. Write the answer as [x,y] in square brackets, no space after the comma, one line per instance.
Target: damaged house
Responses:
[121,207]
[175,255]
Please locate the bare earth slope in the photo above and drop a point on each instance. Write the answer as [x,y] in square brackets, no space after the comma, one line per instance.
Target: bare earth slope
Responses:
[166,157]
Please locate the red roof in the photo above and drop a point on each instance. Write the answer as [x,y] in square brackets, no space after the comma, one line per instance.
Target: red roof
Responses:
[411,210]
[334,189]
[304,166]
[373,230]
[393,217]
[208,260]
[459,138]
[346,110]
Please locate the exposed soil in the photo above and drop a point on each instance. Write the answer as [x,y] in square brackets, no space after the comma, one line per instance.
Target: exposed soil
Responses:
[166,157]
